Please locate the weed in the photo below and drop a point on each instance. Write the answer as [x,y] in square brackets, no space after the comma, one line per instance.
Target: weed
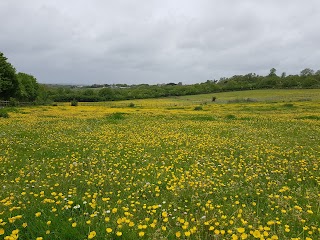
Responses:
[198,108]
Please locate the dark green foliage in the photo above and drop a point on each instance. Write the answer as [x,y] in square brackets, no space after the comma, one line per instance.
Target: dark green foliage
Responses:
[3,113]
[198,108]
[28,87]
[116,117]
[230,117]
[311,117]
[13,102]
[235,83]
[8,80]
[74,103]
[131,105]
[21,86]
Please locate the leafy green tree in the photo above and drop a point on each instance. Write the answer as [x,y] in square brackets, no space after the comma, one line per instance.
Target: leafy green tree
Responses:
[28,87]
[9,84]
[273,72]
[306,72]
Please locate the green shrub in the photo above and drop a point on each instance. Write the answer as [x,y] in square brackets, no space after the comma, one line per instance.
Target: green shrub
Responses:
[198,108]
[13,102]
[131,105]
[116,116]
[231,117]
[3,113]
[74,102]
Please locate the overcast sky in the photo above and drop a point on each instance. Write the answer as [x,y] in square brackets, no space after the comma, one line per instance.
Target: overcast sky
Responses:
[152,41]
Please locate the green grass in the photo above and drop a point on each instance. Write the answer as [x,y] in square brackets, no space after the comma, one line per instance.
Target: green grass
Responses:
[164,170]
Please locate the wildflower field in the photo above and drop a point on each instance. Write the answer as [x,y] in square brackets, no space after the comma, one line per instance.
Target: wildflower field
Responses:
[159,169]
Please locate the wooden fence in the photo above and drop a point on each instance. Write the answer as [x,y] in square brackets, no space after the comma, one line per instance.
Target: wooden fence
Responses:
[8,103]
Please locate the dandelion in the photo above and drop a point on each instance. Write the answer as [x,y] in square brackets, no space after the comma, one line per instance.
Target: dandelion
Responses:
[256,234]
[92,234]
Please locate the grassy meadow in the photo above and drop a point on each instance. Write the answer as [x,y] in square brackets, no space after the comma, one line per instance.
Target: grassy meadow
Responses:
[243,167]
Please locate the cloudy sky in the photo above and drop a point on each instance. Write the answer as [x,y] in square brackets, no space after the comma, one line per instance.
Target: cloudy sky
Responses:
[152,41]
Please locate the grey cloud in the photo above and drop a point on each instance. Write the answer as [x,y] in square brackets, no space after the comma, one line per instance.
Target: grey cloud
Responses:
[97,41]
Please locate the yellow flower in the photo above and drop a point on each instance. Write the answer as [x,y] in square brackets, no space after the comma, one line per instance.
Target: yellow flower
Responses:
[24,225]
[108,230]
[187,234]
[178,234]
[244,236]
[39,238]
[38,214]
[234,237]
[256,234]
[119,234]
[92,235]
[107,219]
[74,224]
[141,234]
[1,231]
[164,214]
[240,230]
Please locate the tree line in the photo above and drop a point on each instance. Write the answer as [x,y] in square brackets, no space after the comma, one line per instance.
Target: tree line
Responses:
[24,87]
[306,79]
[18,86]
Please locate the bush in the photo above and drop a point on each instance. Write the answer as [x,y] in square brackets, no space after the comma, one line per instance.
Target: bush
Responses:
[116,117]
[74,102]
[198,108]
[13,102]
[231,117]
[214,99]
[3,113]
[132,105]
